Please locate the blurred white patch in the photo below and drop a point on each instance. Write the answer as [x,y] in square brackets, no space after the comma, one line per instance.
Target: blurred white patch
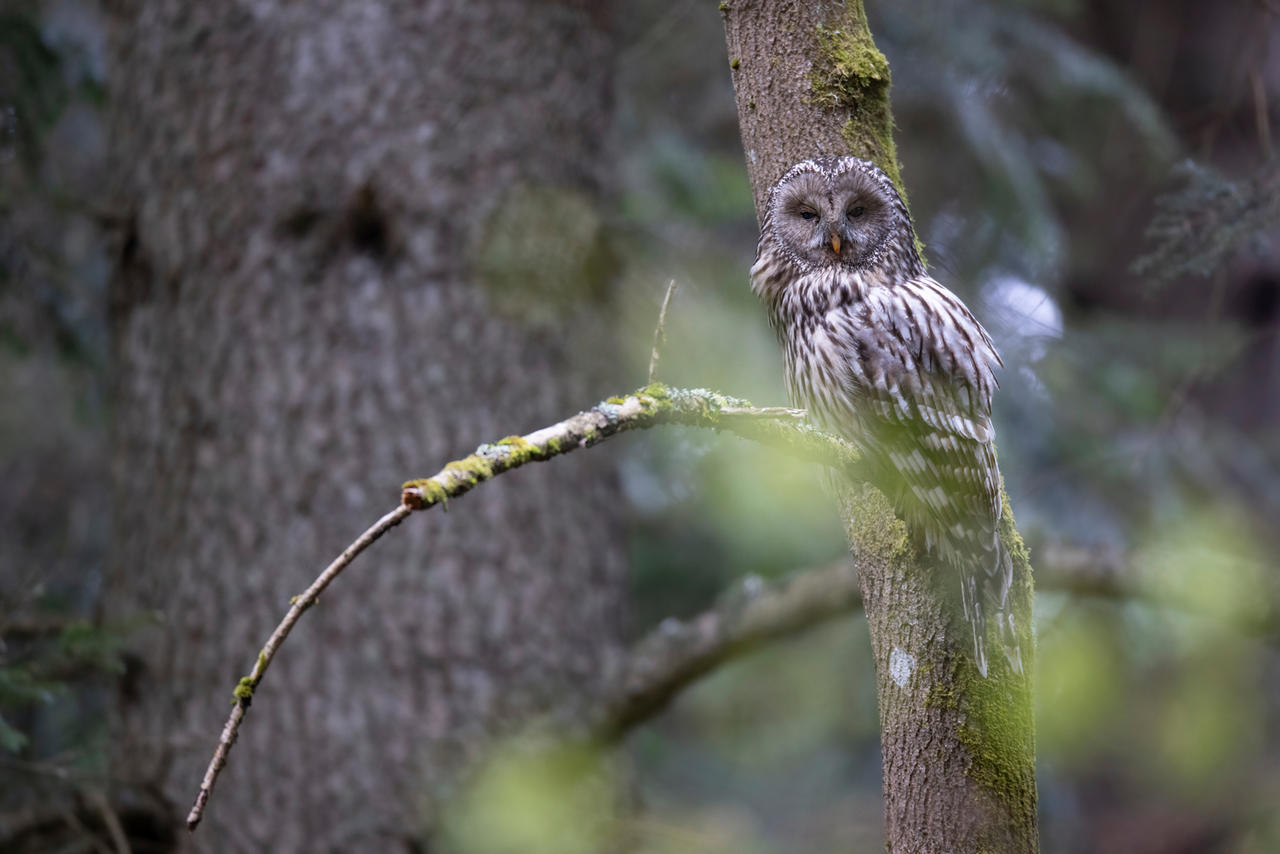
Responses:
[901,664]
[1024,311]
[1023,318]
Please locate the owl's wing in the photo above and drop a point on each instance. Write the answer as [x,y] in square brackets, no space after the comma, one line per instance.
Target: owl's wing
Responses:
[919,372]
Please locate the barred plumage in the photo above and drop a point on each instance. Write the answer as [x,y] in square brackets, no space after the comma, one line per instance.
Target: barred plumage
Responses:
[883,355]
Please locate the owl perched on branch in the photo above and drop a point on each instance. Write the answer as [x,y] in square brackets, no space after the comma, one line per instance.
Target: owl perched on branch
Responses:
[886,357]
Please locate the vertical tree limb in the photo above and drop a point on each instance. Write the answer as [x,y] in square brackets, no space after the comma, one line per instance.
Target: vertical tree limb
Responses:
[959,755]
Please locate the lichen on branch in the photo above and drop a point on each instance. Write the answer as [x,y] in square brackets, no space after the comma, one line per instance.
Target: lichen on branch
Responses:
[650,406]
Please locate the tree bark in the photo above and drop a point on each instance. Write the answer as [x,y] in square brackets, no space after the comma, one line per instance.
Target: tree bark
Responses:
[363,235]
[958,750]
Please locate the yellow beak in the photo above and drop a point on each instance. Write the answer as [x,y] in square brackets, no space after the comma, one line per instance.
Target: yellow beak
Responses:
[835,242]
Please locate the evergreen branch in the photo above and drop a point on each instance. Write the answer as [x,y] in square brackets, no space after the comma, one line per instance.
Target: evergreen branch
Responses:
[1197,229]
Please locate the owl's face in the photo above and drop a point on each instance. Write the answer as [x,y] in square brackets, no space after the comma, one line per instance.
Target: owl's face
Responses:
[834,211]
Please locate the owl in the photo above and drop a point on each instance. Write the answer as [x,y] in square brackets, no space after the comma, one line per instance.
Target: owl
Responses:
[881,354]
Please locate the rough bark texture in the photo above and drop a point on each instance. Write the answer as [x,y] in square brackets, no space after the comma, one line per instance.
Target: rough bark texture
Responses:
[958,750]
[808,81]
[353,225]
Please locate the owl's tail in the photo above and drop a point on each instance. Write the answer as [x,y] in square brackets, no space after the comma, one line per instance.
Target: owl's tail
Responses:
[984,591]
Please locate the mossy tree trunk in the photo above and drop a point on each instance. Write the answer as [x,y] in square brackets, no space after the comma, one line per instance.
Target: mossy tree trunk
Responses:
[958,750]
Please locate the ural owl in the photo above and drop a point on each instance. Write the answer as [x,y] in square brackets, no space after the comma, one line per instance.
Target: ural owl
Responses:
[886,357]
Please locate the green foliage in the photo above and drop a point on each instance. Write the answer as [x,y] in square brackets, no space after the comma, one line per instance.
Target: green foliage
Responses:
[1178,695]
[10,739]
[769,746]
[84,643]
[1080,686]
[702,186]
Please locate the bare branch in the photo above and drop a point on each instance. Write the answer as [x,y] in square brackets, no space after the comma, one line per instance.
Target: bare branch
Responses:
[660,332]
[677,653]
[653,405]
[244,690]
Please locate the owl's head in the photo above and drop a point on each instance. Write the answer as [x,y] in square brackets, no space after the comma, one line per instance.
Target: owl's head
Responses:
[833,211]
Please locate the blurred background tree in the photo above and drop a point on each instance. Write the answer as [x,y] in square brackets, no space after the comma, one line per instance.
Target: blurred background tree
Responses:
[332,262]
[1097,179]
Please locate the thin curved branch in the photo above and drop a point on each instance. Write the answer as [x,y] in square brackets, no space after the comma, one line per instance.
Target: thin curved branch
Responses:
[243,692]
[652,405]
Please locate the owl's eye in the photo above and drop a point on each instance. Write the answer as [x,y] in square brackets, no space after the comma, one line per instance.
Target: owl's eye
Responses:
[808,214]
[856,212]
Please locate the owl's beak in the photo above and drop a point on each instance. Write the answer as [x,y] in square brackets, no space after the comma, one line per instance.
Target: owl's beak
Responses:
[835,242]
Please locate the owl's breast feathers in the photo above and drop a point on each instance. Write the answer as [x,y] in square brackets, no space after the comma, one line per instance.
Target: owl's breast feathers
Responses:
[904,371]
[796,296]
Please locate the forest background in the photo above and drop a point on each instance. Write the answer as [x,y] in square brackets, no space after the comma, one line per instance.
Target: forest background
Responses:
[1098,180]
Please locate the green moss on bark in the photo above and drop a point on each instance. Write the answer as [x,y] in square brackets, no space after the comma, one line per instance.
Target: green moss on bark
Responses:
[471,470]
[432,492]
[243,692]
[851,76]
[999,738]
[658,391]
[880,535]
[992,722]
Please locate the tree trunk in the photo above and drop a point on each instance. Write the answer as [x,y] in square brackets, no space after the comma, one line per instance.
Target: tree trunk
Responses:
[958,750]
[363,238]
